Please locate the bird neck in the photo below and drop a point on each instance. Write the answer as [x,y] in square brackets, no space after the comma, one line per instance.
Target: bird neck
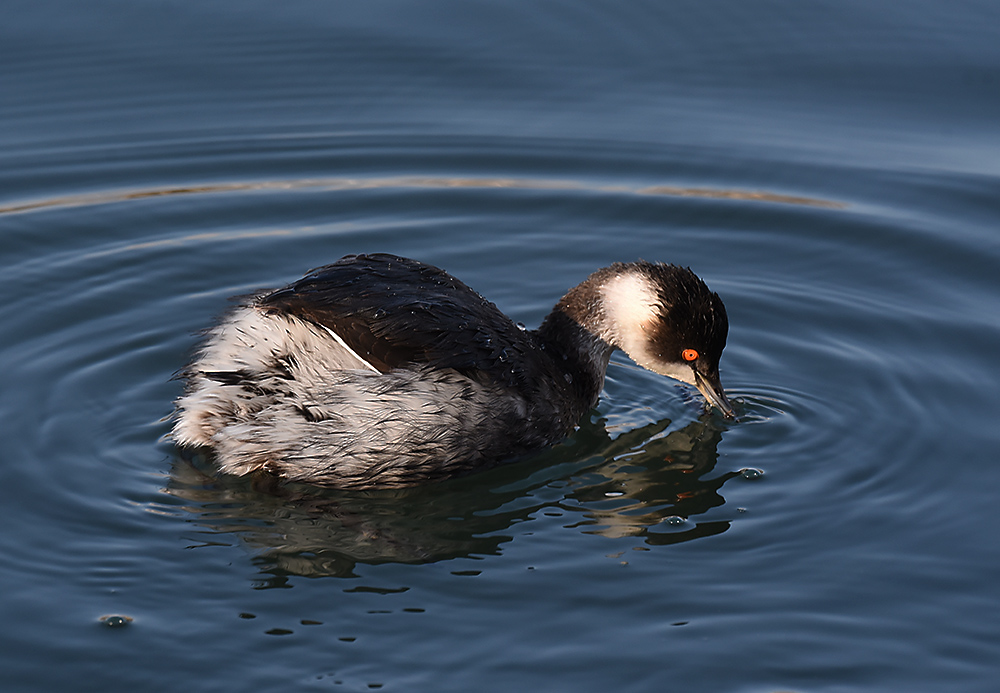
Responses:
[618,305]
[578,351]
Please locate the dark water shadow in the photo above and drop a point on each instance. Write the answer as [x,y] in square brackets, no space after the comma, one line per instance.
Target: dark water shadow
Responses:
[650,482]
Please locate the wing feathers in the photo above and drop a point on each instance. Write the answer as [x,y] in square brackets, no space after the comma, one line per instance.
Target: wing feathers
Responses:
[394,312]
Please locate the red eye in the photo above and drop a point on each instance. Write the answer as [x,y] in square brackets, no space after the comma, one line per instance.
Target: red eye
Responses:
[689,354]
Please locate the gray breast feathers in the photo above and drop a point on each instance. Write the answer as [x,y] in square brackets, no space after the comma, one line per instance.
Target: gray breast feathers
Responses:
[272,391]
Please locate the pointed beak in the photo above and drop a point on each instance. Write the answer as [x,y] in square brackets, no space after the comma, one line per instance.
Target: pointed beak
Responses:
[711,388]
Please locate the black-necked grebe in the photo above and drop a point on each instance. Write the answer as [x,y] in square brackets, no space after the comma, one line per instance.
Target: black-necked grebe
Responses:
[378,370]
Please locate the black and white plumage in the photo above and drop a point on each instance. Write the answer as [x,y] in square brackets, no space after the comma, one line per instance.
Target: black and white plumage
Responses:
[378,370]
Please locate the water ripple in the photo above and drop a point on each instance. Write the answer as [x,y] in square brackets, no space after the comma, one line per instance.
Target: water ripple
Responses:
[336,184]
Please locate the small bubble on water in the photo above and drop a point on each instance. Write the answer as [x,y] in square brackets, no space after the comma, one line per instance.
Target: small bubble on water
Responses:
[751,474]
[115,620]
[675,520]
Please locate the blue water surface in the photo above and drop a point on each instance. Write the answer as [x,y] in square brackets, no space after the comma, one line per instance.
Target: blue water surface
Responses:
[832,169]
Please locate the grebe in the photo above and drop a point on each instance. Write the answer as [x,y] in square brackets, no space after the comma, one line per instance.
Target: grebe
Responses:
[379,370]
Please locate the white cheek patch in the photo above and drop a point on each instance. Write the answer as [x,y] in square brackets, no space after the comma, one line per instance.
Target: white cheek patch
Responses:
[630,308]
[676,371]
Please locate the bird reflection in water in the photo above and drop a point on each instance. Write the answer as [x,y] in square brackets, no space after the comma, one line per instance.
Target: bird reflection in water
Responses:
[650,482]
